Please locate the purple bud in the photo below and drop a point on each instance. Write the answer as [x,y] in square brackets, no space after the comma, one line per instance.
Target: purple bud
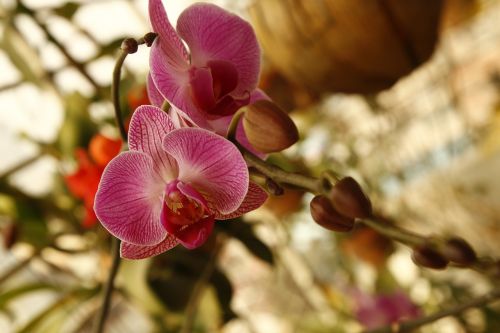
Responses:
[459,251]
[426,256]
[149,38]
[129,45]
[349,199]
[323,213]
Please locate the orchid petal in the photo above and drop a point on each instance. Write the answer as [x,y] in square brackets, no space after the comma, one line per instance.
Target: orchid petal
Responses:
[212,33]
[128,202]
[153,94]
[211,164]
[255,198]
[202,88]
[148,126]
[132,251]
[174,51]
[174,86]
[196,234]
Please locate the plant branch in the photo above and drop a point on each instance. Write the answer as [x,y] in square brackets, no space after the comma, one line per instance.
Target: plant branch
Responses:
[410,325]
[279,175]
[108,288]
[115,94]
[78,65]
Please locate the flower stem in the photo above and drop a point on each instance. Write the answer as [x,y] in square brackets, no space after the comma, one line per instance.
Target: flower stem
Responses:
[395,233]
[279,175]
[108,288]
[115,94]
[410,325]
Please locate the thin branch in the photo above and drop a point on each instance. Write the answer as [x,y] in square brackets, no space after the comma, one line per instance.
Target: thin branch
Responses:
[21,165]
[408,326]
[279,175]
[115,94]
[78,65]
[108,288]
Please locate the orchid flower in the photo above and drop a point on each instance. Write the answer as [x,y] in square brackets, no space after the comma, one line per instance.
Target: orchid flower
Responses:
[171,186]
[219,73]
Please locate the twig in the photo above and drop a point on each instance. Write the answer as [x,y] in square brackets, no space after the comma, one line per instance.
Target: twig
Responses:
[408,326]
[78,65]
[115,94]
[279,175]
[18,266]
[108,288]
[21,165]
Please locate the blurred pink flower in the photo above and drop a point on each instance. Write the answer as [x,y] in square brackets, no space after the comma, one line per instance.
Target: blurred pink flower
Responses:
[219,73]
[380,310]
[171,186]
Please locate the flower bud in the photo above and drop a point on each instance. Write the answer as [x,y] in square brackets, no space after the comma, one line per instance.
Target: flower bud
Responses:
[10,235]
[426,256]
[459,251]
[349,199]
[149,38]
[325,215]
[129,45]
[268,128]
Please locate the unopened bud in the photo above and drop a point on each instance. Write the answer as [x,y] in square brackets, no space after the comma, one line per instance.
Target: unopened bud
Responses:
[268,128]
[459,251]
[129,45]
[426,256]
[323,212]
[349,199]
[149,38]
[10,235]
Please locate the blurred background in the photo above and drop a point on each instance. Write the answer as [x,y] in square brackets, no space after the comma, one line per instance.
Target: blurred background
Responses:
[402,95]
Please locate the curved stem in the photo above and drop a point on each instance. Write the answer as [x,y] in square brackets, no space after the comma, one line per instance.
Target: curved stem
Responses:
[279,175]
[108,288]
[115,94]
[408,326]
[233,126]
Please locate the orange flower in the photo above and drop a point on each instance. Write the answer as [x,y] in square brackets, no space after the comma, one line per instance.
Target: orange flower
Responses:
[84,181]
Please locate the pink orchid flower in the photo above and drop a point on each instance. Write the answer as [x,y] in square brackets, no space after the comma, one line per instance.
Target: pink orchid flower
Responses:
[171,186]
[219,73]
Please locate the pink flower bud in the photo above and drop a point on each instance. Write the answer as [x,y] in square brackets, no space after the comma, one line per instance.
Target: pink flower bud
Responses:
[325,215]
[349,199]
[426,256]
[268,128]
[459,251]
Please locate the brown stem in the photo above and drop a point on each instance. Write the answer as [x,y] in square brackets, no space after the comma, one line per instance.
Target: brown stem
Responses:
[108,288]
[410,325]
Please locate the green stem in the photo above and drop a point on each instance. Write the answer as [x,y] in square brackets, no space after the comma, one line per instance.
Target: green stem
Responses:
[279,175]
[108,288]
[408,326]
[395,233]
[233,126]
[115,94]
